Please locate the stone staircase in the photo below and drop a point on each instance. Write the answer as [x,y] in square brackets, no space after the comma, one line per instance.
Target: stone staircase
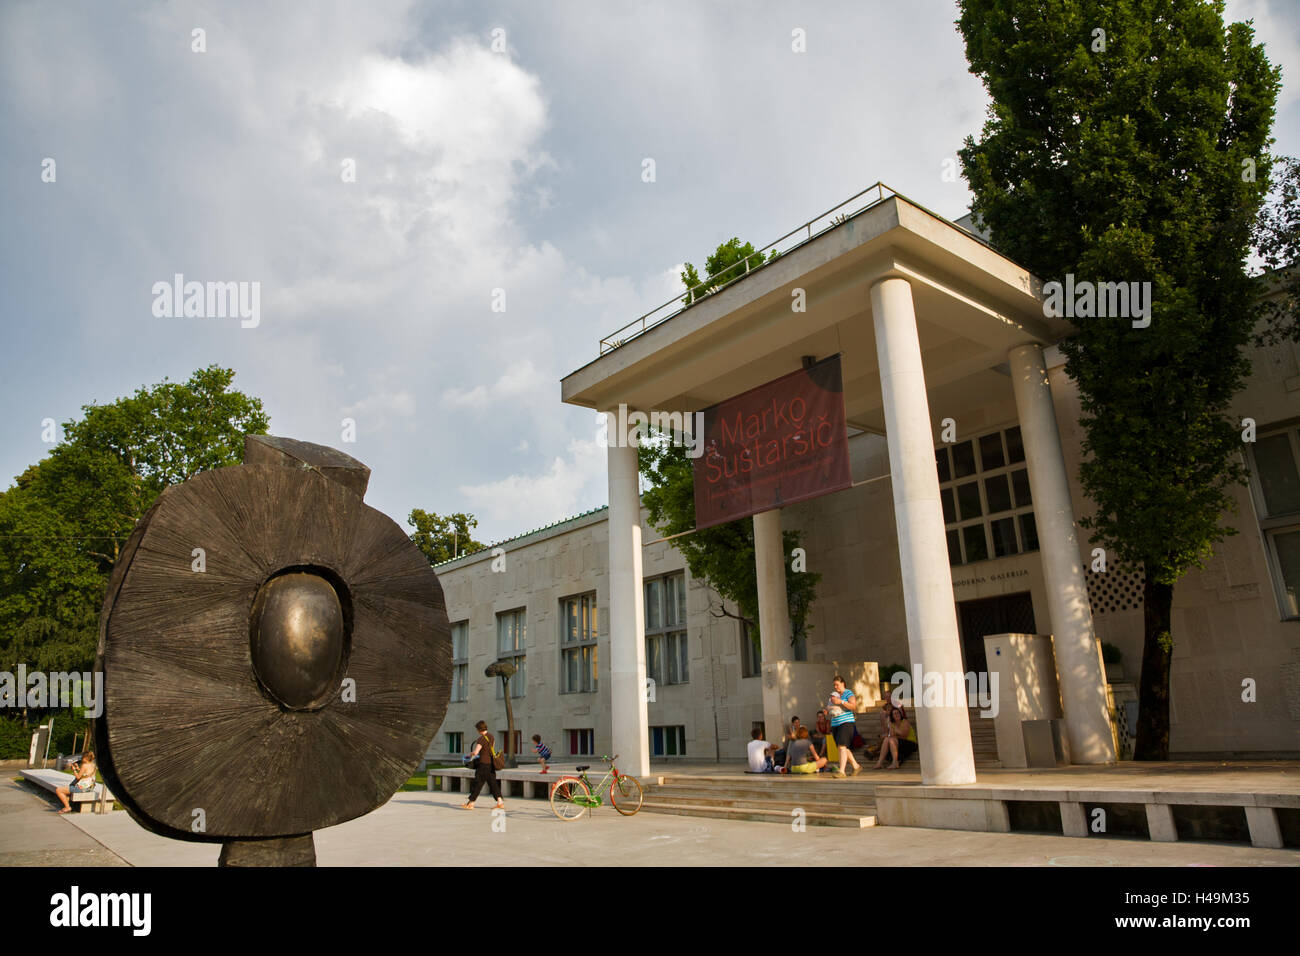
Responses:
[984,742]
[768,798]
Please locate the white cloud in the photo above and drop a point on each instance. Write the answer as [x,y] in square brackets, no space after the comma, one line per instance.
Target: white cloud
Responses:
[569,485]
[517,386]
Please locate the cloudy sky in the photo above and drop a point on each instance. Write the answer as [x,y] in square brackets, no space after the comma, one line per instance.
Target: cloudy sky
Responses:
[476,169]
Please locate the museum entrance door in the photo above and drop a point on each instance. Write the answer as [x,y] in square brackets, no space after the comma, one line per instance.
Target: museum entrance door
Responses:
[1007,614]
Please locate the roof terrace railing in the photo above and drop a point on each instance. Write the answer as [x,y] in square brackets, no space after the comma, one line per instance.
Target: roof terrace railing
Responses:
[755,260]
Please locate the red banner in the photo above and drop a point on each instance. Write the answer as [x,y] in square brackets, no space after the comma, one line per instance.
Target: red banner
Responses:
[774,445]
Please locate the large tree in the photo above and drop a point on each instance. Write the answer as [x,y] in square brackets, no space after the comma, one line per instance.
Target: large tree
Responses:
[1127,142]
[723,555]
[64,521]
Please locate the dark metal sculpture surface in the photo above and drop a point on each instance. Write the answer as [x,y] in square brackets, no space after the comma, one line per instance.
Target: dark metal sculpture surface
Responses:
[276,656]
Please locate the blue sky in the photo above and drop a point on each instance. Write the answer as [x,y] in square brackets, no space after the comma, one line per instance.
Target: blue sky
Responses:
[476,170]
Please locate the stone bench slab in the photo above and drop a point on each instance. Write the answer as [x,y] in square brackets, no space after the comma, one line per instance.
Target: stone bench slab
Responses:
[51,780]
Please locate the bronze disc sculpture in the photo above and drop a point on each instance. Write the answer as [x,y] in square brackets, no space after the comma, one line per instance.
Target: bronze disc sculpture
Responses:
[275,652]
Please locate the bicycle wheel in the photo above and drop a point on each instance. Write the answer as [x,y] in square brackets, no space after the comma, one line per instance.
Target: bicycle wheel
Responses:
[563,804]
[626,795]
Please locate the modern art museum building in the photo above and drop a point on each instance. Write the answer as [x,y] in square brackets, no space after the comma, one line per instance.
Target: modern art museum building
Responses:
[951,545]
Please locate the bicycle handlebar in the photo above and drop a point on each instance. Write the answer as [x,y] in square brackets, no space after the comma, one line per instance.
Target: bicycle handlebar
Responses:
[608,759]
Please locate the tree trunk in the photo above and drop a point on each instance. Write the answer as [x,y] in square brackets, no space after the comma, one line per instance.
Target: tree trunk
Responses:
[511,762]
[1153,691]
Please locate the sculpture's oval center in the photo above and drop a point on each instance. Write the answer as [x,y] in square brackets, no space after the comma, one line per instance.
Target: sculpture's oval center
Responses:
[297,634]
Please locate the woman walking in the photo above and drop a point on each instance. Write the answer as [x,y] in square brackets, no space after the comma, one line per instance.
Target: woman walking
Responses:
[484,770]
[843,728]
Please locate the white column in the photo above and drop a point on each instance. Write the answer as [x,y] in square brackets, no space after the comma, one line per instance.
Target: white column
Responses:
[628,714]
[944,731]
[773,613]
[1078,655]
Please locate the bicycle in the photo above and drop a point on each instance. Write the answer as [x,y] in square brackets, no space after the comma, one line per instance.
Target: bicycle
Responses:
[571,797]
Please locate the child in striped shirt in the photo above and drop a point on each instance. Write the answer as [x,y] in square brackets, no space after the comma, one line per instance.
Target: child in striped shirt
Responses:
[543,751]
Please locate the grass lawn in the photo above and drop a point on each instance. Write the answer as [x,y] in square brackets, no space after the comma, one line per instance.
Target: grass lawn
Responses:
[420,781]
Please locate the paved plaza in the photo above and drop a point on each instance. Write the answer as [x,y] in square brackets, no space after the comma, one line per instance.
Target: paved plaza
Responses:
[429,829]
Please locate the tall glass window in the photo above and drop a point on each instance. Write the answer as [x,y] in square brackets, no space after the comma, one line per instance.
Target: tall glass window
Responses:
[751,655]
[984,490]
[511,634]
[667,655]
[1275,484]
[578,628]
[460,661]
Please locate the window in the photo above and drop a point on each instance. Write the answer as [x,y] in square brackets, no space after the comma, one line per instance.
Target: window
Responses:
[984,491]
[454,743]
[751,653]
[1275,483]
[460,661]
[751,657]
[578,626]
[800,644]
[502,737]
[668,741]
[581,742]
[666,655]
[511,627]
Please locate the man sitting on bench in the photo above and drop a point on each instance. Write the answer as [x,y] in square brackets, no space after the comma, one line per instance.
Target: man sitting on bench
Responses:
[83,780]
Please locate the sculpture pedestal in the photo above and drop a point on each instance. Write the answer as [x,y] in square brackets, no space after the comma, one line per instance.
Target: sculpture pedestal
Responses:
[276,851]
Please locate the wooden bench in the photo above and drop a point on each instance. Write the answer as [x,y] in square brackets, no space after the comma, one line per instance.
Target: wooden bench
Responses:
[83,802]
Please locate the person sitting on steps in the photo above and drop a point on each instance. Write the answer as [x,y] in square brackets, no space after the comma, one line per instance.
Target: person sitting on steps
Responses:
[801,756]
[897,730]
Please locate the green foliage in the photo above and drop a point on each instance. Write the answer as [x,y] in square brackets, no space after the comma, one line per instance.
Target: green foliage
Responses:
[443,538]
[887,671]
[1110,653]
[1134,163]
[168,433]
[726,263]
[66,518]
[16,737]
[723,555]
[1277,241]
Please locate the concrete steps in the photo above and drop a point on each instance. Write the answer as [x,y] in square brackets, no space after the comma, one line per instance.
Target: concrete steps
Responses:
[812,818]
[983,739]
[824,802]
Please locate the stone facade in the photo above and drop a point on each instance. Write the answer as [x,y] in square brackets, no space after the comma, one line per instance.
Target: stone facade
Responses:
[1227,622]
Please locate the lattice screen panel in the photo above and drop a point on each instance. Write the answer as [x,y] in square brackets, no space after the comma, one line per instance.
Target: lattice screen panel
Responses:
[1114,590]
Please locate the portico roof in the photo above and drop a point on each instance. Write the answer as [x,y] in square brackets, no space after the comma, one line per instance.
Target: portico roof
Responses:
[972,306]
